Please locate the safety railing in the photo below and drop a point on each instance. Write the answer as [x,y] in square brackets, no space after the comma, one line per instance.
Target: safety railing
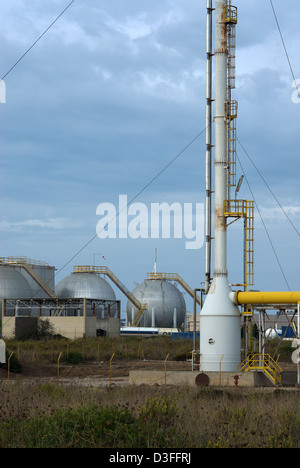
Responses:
[29,264]
[21,261]
[231,15]
[141,307]
[264,363]
[244,209]
[178,279]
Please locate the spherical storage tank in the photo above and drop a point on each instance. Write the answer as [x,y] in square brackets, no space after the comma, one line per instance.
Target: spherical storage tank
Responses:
[166,306]
[88,285]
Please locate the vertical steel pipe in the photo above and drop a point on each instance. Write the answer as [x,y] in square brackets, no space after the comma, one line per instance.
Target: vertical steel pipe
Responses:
[220,162]
[209,56]
[220,324]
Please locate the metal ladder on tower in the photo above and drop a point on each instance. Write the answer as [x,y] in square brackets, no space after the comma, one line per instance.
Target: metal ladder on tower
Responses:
[236,208]
[244,209]
[230,19]
[231,113]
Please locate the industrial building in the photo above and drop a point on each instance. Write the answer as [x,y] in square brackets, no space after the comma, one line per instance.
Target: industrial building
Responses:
[84,304]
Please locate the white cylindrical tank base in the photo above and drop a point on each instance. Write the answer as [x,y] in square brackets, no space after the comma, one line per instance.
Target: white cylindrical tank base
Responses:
[220,330]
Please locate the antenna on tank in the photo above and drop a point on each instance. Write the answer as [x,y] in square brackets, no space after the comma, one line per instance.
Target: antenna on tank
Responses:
[155,261]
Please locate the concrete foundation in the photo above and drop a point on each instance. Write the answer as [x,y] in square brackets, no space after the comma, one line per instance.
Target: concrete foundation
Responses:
[190,378]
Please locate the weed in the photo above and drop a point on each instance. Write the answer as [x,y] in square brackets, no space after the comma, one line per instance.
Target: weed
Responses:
[73,357]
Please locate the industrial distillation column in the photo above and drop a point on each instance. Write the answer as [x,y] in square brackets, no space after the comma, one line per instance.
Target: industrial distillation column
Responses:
[220,325]
[209,56]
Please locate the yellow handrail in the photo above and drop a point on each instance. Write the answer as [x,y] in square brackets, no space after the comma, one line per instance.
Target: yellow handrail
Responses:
[22,260]
[141,307]
[174,277]
[230,14]
[264,363]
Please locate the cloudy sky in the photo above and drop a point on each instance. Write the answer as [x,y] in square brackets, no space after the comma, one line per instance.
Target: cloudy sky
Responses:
[112,93]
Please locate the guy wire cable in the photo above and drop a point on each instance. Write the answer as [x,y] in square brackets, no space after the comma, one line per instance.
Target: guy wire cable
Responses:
[135,196]
[269,188]
[285,49]
[40,37]
[264,225]
[130,202]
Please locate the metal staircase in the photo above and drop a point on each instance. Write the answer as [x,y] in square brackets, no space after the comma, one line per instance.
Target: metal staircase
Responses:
[263,363]
[141,307]
[175,277]
[28,264]
[39,281]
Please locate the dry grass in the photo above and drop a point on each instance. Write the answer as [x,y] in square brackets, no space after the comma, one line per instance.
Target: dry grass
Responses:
[169,417]
[204,417]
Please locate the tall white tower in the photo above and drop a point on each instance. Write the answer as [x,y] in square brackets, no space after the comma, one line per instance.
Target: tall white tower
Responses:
[220,323]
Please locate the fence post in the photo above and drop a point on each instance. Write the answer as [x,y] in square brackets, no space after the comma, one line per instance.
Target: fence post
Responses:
[35,355]
[110,368]
[58,365]
[166,368]
[220,370]
[8,365]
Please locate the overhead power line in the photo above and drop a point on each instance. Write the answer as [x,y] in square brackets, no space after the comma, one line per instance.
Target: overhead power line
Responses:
[269,188]
[264,225]
[285,49]
[135,197]
[38,39]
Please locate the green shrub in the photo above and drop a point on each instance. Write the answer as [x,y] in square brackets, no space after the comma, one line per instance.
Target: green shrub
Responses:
[183,356]
[95,426]
[73,357]
[86,427]
[14,364]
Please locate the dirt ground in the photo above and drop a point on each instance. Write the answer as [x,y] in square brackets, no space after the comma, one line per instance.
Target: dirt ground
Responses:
[94,374]
[91,373]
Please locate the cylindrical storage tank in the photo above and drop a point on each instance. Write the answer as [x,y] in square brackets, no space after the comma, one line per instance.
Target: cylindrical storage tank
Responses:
[166,306]
[89,286]
[13,285]
[45,273]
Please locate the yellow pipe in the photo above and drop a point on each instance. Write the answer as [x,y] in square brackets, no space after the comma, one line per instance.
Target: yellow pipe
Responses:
[262,297]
